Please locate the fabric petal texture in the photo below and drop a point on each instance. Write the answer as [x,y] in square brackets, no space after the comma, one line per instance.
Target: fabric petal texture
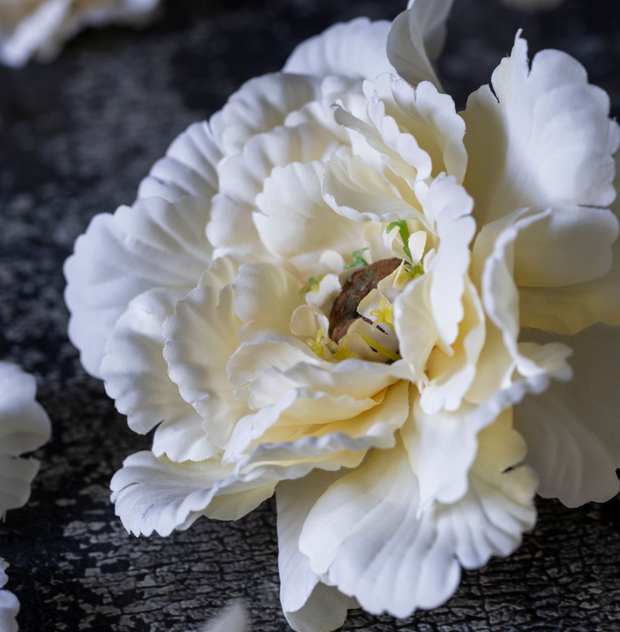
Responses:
[9,605]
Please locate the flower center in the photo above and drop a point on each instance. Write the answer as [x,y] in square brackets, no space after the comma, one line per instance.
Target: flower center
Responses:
[344,311]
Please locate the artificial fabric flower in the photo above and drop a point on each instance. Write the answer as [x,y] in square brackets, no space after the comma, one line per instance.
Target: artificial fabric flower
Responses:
[39,28]
[24,427]
[321,291]
[9,605]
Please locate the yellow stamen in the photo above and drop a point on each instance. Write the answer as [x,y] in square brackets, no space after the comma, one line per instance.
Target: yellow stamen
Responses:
[343,352]
[383,315]
[316,344]
[373,344]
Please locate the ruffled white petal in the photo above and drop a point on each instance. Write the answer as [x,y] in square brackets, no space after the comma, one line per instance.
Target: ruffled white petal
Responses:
[136,377]
[188,168]
[368,535]
[309,605]
[233,619]
[295,219]
[9,605]
[260,105]
[352,49]
[200,338]
[572,429]
[152,244]
[24,427]
[416,38]
[542,139]
[154,494]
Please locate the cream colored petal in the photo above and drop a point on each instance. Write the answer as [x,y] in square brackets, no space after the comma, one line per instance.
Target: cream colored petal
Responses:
[242,176]
[308,604]
[152,244]
[155,494]
[450,377]
[189,167]
[420,124]
[260,105]
[136,377]
[266,297]
[542,140]
[352,49]
[294,217]
[572,429]
[200,338]
[361,193]
[369,536]
[289,453]
[416,38]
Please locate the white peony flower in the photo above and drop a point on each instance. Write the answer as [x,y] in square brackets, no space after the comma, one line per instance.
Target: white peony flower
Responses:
[39,28]
[321,291]
[9,605]
[24,427]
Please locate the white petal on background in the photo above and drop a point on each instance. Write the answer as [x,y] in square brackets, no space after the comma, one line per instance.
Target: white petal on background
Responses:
[420,124]
[367,535]
[233,619]
[364,534]
[295,219]
[352,49]
[40,29]
[152,244]
[136,377]
[500,295]
[24,427]
[242,176]
[571,430]
[154,494]
[267,296]
[200,338]
[260,105]
[9,605]
[416,38]
[542,139]
[571,308]
[188,168]
[308,604]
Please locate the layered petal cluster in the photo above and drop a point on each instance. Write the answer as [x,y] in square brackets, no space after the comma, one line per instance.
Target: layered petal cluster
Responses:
[24,427]
[39,28]
[323,291]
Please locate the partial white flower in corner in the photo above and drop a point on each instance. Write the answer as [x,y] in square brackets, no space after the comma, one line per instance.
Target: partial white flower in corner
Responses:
[9,605]
[321,291]
[24,427]
[39,28]
[234,618]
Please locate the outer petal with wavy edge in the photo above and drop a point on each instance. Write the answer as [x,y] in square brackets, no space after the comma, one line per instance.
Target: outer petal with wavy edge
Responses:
[572,429]
[352,49]
[368,534]
[24,427]
[543,140]
[416,38]
[188,168]
[136,377]
[260,105]
[309,605]
[152,244]
[200,338]
[154,494]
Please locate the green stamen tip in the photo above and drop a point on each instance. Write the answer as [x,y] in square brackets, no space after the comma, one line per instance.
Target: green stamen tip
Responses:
[358,260]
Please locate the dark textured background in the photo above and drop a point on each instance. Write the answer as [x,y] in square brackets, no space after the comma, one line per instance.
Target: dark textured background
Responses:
[76,137]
